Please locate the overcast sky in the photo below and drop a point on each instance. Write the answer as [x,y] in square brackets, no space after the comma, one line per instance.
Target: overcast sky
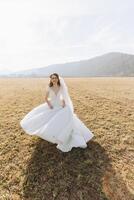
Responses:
[36,33]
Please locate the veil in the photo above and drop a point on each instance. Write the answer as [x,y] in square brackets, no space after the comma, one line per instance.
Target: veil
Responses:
[66,95]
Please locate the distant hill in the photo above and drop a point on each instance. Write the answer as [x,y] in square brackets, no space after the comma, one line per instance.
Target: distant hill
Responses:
[110,64]
[5,72]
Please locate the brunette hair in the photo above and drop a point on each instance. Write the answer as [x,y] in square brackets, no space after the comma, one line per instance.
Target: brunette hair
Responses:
[51,83]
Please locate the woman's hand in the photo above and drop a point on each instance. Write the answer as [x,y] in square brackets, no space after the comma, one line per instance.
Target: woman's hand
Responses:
[63,103]
[50,106]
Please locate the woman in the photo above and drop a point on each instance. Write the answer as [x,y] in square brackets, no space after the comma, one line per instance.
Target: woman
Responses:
[55,120]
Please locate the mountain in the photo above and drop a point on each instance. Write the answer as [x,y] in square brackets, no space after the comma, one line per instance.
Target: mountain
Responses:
[110,64]
[5,72]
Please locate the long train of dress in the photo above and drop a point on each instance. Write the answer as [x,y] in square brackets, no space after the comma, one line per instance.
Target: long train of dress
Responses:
[58,125]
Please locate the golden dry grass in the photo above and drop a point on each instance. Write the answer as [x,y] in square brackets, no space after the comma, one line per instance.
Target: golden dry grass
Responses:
[32,168]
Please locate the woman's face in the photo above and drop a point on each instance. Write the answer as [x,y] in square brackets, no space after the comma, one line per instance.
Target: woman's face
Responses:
[54,79]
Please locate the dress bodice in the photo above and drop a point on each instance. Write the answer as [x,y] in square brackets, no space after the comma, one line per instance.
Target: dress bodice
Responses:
[55,98]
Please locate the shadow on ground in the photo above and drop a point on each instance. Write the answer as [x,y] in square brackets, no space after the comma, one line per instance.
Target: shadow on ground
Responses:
[52,174]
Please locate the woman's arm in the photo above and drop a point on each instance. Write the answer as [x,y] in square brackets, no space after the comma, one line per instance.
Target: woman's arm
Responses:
[46,99]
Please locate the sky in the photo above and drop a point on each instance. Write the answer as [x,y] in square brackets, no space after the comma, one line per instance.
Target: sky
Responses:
[37,33]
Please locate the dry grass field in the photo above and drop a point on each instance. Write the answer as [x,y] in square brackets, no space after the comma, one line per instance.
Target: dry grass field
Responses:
[34,169]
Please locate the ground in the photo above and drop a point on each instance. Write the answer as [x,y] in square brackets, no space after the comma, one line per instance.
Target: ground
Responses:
[34,169]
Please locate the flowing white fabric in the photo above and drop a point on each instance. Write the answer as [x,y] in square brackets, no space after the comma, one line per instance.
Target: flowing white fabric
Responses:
[59,125]
[66,95]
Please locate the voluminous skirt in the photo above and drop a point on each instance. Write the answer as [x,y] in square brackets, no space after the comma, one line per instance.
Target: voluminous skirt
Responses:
[58,125]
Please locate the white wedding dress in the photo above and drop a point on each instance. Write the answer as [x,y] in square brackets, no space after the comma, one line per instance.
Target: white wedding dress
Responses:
[58,125]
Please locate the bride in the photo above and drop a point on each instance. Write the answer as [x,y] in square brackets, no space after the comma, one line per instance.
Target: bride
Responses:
[55,120]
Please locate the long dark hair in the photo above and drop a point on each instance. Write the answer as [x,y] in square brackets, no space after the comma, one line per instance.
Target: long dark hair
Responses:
[50,83]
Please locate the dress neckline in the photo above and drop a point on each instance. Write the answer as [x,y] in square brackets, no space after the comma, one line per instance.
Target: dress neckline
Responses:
[54,92]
